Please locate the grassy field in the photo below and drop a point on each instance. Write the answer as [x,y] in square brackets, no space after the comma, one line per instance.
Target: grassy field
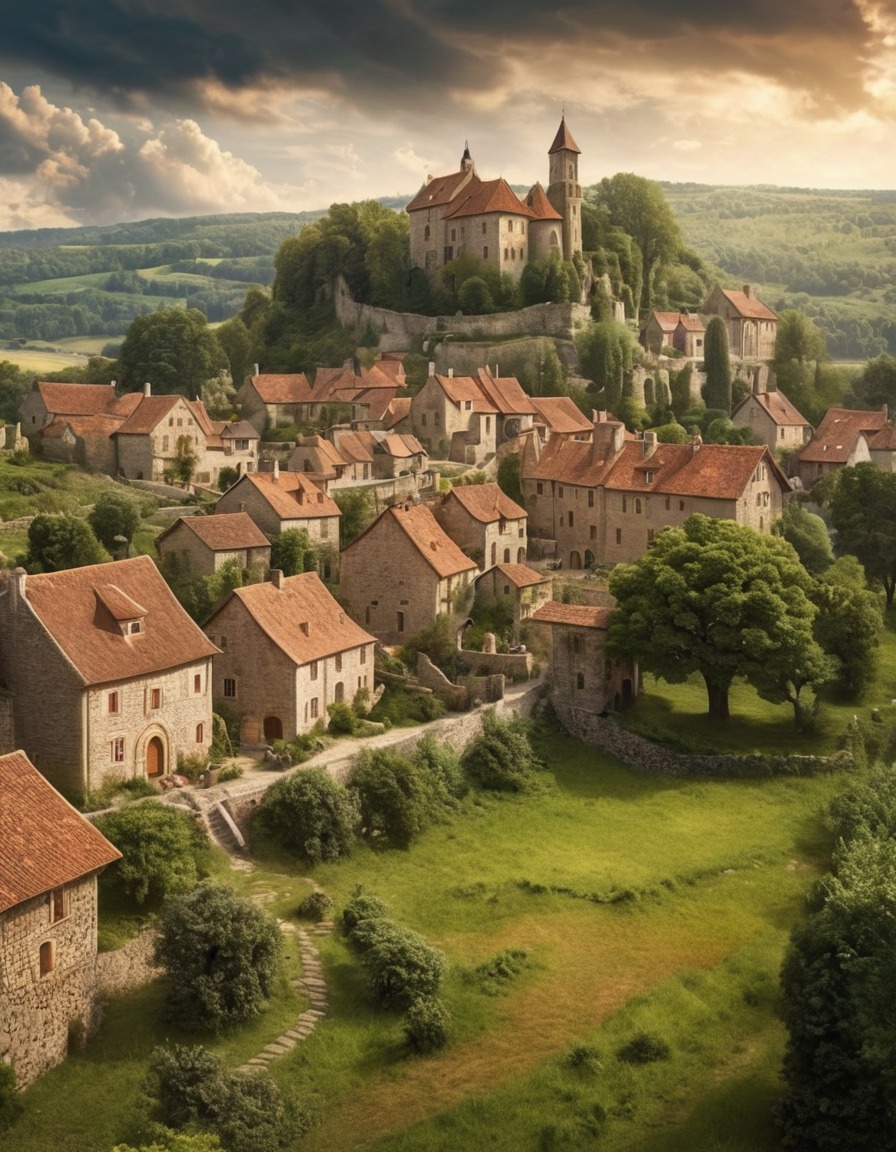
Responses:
[640,903]
[41,360]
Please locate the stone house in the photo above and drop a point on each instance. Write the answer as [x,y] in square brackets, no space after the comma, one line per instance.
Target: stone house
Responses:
[882,448]
[525,587]
[841,440]
[280,500]
[48,402]
[516,411]
[402,572]
[752,326]
[773,420]
[50,857]
[109,677]
[287,651]
[683,331]
[201,544]
[325,464]
[162,428]
[460,213]
[484,523]
[274,400]
[585,679]
[559,416]
[603,502]
[83,440]
[454,419]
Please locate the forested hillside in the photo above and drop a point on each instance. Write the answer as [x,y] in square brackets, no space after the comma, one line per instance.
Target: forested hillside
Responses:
[828,254]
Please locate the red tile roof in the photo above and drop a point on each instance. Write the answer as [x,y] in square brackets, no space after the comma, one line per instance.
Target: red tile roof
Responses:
[96,427]
[459,389]
[542,208]
[401,445]
[563,140]
[838,433]
[291,495]
[560,414]
[301,618]
[356,447]
[424,532]
[442,190]
[80,608]
[573,615]
[222,532]
[885,440]
[668,321]
[506,393]
[85,399]
[485,502]
[750,307]
[778,407]
[152,410]
[285,388]
[399,409]
[691,322]
[519,574]
[489,196]
[44,842]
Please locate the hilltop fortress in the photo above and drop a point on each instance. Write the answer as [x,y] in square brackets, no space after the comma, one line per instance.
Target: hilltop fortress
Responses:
[460,213]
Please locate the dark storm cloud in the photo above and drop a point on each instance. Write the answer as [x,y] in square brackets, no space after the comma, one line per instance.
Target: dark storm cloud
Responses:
[372,52]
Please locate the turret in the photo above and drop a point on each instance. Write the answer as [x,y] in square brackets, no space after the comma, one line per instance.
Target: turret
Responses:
[564,190]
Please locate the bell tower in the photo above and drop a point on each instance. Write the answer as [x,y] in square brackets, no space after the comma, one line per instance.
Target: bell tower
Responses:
[564,189]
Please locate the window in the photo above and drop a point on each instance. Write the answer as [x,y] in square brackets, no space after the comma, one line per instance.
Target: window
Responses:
[135,627]
[650,534]
[449,253]
[338,661]
[560,491]
[618,535]
[494,554]
[681,505]
[423,419]
[513,253]
[113,703]
[506,555]
[324,529]
[314,708]
[590,498]
[539,488]
[229,688]
[488,425]
[570,519]
[200,733]
[576,644]
[521,530]
[506,589]
[453,233]
[468,405]
[118,750]
[506,257]
[580,680]
[57,905]
[592,532]
[363,655]
[648,477]
[484,248]
[435,424]
[426,232]
[155,698]
[222,641]
[483,227]
[47,957]
[313,670]
[197,683]
[637,506]
[668,503]
[400,622]
[624,503]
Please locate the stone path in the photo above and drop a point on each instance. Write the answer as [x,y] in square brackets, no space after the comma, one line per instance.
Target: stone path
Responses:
[314,986]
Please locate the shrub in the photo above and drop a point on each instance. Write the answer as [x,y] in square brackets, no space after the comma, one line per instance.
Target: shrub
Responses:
[310,814]
[315,906]
[400,965]
[10,1101]
[189,1088]
[643,1048]
[227,721]
[394,799]
[361,906]
[583,1057]
[113,515]
[426,1025]
[342,719]
[229,772]
[161,848]
[443,765]
[192,765]
[501,758]
[220,951]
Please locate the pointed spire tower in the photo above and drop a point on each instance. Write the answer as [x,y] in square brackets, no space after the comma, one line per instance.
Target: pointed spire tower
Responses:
[564,189]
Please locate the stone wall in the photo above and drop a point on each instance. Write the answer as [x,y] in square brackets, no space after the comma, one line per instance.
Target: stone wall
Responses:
[127,968]
[402,330]
[513,665]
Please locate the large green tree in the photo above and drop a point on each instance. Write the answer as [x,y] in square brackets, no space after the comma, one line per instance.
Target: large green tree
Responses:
[717,362]
[172,349]
[808,534]
[863,511]
[715,598]
[113,515]
[59,542]
[638,207]
[849,625]
[606,353]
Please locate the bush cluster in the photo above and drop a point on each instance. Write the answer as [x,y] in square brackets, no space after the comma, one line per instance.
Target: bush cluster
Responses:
[311,815]
[502,759]
[162,851]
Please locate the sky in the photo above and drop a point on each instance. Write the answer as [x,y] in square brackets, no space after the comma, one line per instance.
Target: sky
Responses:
[117,110]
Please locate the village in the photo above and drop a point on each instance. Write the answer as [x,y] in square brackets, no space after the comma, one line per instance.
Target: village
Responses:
[495,523]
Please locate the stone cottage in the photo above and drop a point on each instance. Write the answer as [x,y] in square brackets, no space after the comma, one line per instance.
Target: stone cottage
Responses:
[525,588]
[752,326]
[485,523]
[279,500]
[287,651]
[199,545]
[454,419]
[109,677]
[774,421]
[402,572]
[586,681]
[842,440]
[87,407]
[50,857]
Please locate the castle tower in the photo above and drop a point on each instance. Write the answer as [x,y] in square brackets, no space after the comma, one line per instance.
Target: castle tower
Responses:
[564,189]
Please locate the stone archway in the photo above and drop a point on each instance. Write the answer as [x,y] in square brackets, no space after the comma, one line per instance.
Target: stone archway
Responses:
[575,561]
[273,728]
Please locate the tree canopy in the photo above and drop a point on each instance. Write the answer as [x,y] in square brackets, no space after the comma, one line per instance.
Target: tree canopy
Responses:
[863,511]
[717,389]
[716,598]
[59,542]
[173,349]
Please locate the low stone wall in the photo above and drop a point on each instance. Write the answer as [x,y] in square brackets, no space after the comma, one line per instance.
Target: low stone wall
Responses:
[127,968]
[513,665]
[454,696]
[632,749]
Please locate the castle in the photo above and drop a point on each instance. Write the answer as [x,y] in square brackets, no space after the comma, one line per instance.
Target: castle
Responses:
[460,213]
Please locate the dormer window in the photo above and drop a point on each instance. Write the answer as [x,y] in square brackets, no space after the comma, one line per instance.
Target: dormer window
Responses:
[133,627]
[649,477]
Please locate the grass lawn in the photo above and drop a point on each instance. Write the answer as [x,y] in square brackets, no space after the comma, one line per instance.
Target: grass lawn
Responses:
[641,903]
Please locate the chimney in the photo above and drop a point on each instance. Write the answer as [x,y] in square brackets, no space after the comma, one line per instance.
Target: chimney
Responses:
[276,471]
[432,367]
[748,292]
[113,383]
[277,578]
[147,389]
[648,445]
[696,444]
[17,584]
[450,373]
[607,438]
[256,372]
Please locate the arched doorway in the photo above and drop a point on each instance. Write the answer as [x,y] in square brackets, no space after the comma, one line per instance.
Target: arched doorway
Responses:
[589,558]
[521,555]
[273,728]
[575,561]
[155,757]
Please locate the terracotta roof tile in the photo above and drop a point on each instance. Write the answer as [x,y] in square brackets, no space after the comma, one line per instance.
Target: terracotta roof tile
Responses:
[401,446]
[563,139]
[399,409]
[460,389]
[291,495]
[425,533]
[489,196]
[442,190]
[668,321]
[560,414]
[301,618]
[838,433]
[74,608]
[96,427]
[223,532]
[286,388]
[77,399]
[885,440]
[44,842]
[356,447]
[749,306]
[778,407]
[485,502]
[238,430]
[541,207]
[573,615]
[520,574]
[150,412]
[506,393]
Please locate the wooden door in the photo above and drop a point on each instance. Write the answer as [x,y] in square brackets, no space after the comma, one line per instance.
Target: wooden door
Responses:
[155,757]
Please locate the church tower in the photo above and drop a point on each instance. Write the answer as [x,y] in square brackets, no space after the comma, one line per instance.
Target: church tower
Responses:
[564,190]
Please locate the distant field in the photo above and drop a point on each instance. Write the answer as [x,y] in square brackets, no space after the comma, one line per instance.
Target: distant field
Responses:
[42,361]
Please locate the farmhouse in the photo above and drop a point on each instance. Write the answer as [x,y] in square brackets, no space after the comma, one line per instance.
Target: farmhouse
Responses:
[50,857]
[287,651]
[109,677]
[842,439]
[773,420]
[523,586]
[280,500]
